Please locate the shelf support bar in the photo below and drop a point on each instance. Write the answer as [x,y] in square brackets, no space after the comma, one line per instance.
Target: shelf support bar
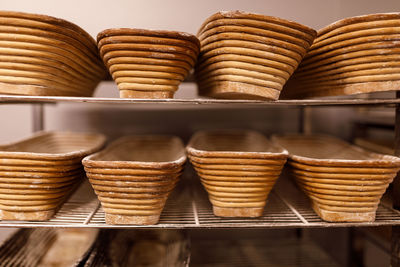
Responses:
[37,117]
[395,246]
[305,120]
[304,128]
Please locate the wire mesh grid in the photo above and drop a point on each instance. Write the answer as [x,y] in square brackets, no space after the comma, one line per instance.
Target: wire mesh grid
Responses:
[177,213]
[76,212]
[189,207]
[276,212]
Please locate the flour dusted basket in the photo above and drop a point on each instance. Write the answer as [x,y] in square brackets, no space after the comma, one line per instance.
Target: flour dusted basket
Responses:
[345,183]
[38,174]
[249,56]
[351,56]
[42,55]
[148,63]
[134,176]
[237,168]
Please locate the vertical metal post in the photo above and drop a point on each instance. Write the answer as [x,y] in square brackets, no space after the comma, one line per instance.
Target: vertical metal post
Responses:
[305,120]
[395,246]
[37,117]
[304,127]
[301,120]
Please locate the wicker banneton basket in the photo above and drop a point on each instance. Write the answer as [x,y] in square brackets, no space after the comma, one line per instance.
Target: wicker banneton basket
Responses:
[148,63]
[237,168]
[38,174]
[351,56]
[249,56]
[134,176]
[345,183]
[47,56]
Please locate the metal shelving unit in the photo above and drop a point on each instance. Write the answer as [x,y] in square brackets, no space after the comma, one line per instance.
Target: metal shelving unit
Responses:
[188,206]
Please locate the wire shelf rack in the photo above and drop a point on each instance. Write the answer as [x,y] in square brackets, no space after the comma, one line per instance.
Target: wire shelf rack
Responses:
[188,207]
[336,101]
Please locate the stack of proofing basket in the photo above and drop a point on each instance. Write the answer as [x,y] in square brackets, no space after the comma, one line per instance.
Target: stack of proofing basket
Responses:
[249,56]
[148,63]
[353,55]
[237,168]
[345,183]
[134,176]
[38,174]
[42,55]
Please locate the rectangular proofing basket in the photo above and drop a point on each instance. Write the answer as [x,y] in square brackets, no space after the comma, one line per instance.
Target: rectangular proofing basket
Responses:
[134,176]
[237,168]
[37,174]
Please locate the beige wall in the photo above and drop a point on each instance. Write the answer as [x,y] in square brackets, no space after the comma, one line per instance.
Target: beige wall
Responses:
[186,15]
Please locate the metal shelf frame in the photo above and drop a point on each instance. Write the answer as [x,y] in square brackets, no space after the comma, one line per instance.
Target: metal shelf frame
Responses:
[190,208]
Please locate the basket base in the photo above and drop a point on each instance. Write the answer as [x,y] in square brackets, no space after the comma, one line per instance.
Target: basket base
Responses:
[36,90]
[132,219]
[238,212]
[146,94]
[238,90]
[340,216]
[27,215]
